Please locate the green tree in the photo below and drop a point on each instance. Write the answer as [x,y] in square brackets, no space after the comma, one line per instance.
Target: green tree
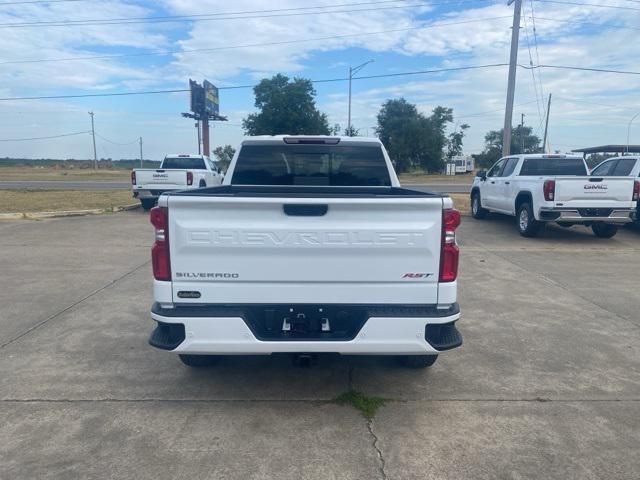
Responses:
[285,107]
[454,142]
[224,156]
[412,139]
[351,131]
[493,145]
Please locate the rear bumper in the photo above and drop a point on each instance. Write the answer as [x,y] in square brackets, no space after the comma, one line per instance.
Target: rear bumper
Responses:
[392,330]
[145,191]
[584,215]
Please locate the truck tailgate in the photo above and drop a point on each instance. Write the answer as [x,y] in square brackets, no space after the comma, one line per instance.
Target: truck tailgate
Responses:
[149,178]
[594,192]
[238,250]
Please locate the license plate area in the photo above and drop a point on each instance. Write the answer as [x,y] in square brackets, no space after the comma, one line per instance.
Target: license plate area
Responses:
[306,322]
[595,212]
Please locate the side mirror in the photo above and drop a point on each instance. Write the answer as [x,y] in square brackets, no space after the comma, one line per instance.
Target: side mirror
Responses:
[481,174]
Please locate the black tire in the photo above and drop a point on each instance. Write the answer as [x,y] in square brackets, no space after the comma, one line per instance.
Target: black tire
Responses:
[417,361]
[477,211]
[147,203]
[604,230]
[199,361]
[202,184]
[528,226]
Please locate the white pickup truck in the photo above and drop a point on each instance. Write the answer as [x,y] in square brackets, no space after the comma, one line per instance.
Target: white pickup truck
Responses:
[176,172]
[628,166]
[310,246]
[539,188]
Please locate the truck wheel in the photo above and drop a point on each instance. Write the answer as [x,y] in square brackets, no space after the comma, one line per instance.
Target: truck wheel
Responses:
[604,230]
[202,184]
[198,361]
[477,211]
[528,226]
[417,361]
[148,203]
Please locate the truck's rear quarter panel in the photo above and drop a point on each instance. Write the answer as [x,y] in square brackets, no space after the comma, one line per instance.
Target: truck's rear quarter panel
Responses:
[247,250]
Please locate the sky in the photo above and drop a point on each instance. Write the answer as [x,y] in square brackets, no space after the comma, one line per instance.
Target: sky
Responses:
[79,47]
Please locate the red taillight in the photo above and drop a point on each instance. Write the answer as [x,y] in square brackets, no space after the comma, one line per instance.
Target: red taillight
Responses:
[549,189]
[636,191]
[449,252]
[133,178]
[189,178]
[160,250]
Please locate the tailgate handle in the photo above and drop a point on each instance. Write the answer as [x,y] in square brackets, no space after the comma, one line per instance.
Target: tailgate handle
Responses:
[597,179]
[159,171]
[305,210]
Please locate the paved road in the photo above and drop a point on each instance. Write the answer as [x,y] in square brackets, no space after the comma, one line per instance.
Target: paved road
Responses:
[547,383]
[91,185]
[62,185]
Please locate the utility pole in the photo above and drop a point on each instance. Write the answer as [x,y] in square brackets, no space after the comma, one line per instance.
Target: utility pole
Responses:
[511,85]
[521,131]
[141,153]
[199,139]
[629,129]
[352,72]
[546,127]
[93,134]
[205,136]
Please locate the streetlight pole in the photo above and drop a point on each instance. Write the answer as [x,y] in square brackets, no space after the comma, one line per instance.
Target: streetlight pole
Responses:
[352,72]
[629,129]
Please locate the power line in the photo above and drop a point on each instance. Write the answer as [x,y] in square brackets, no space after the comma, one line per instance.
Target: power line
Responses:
[251,45]
[202,15]
[327,80]
[573,22]
[585,69]
[535,42]
[43,138]
[236,87]
[580,4]
[117,143]
[533,77]
[39,1]
[589,102]
[76,23]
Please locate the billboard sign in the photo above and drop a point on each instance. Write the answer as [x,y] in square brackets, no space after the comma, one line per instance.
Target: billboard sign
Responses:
[197,97]
[211,99]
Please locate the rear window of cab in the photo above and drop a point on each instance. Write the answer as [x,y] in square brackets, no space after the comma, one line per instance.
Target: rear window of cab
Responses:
[553,167]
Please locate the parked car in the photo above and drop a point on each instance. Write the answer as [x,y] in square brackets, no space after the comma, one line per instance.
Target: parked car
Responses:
[619,167]
[554,188]
[310,246]
[176,172]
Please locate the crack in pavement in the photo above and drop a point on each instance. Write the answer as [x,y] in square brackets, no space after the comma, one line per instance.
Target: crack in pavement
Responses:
[314,400]
[381,459]
[69,307]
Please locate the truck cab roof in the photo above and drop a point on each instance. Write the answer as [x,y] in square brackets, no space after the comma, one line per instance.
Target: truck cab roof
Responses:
[310,139]
[184,155]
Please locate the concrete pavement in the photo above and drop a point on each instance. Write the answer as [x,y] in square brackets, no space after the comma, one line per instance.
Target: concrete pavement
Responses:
[546,385]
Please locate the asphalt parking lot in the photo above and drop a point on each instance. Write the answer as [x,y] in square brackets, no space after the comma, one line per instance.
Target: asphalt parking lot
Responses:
[546,385]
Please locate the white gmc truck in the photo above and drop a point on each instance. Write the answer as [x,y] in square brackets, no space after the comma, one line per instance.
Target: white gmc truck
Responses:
[176,172]
[310,246]
[538,188]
